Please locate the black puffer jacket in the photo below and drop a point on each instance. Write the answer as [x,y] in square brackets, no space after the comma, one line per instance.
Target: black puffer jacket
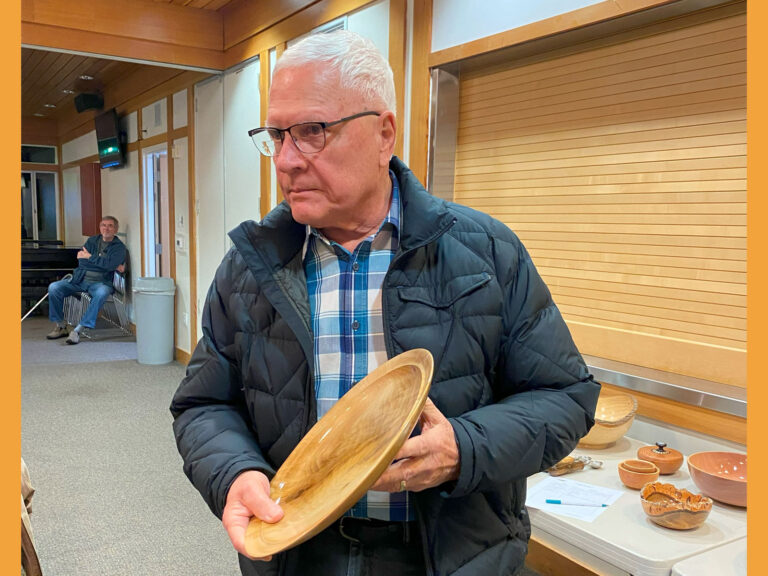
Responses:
[507,374]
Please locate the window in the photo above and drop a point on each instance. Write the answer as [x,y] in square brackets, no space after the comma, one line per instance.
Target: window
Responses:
[38,154]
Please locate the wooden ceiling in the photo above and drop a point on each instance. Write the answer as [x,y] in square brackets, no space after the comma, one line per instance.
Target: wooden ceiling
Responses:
[205,4]
[46,78]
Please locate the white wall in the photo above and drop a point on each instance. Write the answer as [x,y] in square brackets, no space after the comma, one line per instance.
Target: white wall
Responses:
[373,23]
[180,158]
[154,119]
[80,147]
[120,198]
[458,21]
[242,164]
[212,241]
[180,109]
[73,220]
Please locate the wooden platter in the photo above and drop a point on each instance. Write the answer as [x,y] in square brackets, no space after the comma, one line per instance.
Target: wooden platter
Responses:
[344,453]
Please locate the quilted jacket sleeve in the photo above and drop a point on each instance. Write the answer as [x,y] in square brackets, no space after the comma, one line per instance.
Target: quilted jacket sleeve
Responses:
[210,422]
[545,396]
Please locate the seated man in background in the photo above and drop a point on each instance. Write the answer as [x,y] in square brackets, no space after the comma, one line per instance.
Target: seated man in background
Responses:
[97,261]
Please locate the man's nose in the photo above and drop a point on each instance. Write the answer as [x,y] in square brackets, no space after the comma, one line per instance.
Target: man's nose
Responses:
[290,157]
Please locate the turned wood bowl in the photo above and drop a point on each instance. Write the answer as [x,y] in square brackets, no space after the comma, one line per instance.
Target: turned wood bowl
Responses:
[637,473]
[720,475]
[614,414]
[668,460]
[344,453]
[668,506]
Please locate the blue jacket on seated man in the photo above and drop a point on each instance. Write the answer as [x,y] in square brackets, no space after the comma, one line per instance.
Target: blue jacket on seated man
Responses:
[98,260]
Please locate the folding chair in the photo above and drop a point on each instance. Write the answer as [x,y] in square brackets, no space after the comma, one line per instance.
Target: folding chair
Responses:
[113,312]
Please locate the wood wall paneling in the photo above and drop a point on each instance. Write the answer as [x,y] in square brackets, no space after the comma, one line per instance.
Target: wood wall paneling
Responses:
[266,163]
[90,198]
[160,23]
[245,18]
[39,131]
[708,422]
[420,82]
[622,167]
[51,36]
[601,11]
[299,23]
[397,56]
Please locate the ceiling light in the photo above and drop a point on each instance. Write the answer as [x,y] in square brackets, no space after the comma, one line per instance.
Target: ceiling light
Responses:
[49,105]
[65,91]
[85,77]
[38,114]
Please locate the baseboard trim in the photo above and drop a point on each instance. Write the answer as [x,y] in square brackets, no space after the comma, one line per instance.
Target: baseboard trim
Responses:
[182,357]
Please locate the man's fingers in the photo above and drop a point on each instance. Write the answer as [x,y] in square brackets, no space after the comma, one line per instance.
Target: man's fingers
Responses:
[248,497]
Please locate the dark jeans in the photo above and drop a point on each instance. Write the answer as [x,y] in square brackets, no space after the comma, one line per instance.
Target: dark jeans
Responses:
[382,549]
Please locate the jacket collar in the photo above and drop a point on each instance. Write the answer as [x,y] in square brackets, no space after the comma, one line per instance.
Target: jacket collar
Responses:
[276,240]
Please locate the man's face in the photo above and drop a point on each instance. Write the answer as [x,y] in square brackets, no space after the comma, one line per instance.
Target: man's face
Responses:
[108,230]
[332,188]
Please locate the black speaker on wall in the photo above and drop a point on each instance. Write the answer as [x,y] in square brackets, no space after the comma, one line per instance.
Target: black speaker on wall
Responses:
[88,101]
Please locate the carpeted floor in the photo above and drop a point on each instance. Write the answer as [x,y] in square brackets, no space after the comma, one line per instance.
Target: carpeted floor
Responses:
[111,497]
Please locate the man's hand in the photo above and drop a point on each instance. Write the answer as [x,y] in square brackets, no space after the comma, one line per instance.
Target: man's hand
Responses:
[426,460]
[248,496]
[83,253]
[121,268]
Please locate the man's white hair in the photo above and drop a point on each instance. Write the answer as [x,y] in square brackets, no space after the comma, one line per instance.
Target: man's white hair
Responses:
[356,61]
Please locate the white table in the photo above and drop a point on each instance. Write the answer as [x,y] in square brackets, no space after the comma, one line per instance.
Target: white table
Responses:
[623,540]
[727,560]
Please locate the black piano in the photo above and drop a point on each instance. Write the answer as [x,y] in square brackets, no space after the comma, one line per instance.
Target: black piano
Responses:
[43,262]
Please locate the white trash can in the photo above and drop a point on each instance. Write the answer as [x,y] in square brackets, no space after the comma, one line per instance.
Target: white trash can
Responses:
[153,303]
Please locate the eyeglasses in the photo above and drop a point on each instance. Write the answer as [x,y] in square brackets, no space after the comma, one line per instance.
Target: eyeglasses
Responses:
[309,137]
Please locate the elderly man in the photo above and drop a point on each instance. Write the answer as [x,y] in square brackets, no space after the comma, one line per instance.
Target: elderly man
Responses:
[357,265]
[96,264]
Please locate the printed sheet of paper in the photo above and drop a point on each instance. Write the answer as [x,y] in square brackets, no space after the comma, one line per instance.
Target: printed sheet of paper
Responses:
[587,501]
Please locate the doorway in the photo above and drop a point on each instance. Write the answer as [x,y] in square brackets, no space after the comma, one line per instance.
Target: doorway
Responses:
[39,206]
[157,243]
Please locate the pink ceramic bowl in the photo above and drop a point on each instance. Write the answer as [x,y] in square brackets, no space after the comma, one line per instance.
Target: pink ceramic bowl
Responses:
[720,475]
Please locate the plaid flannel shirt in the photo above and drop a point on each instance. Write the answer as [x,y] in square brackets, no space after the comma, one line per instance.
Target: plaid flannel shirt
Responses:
[345,301]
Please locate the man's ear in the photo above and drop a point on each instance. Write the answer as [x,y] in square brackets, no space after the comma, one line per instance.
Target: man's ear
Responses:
[388,135]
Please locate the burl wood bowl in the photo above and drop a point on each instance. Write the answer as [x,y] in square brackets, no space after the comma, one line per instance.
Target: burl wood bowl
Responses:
[674,508]
[614,414]
[668,460]
[344,453]
[720,475]
[637,473]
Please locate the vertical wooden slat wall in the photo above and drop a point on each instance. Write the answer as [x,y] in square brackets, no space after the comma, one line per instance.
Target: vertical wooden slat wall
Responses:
[622,167]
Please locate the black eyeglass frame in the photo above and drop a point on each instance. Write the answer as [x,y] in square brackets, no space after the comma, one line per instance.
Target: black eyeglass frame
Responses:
[324,125]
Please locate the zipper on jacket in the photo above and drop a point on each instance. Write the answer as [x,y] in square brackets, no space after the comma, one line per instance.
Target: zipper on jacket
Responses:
[385,316]
[390,354]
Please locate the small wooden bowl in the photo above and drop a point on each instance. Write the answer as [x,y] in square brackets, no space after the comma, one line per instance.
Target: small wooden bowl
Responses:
[671,507]
[637,473]
[614,414]
[666,459]
[720,475]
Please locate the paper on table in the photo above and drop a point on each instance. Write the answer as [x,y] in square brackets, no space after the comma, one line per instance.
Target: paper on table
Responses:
[553,488]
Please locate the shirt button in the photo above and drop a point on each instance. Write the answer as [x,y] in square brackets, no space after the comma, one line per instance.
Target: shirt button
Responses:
[355,325]
[355,266]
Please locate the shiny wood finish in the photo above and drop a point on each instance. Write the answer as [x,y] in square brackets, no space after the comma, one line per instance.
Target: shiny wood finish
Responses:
[614,414]
[668,460]
[668,506]
[637,473]
[344,453]
[720,475]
